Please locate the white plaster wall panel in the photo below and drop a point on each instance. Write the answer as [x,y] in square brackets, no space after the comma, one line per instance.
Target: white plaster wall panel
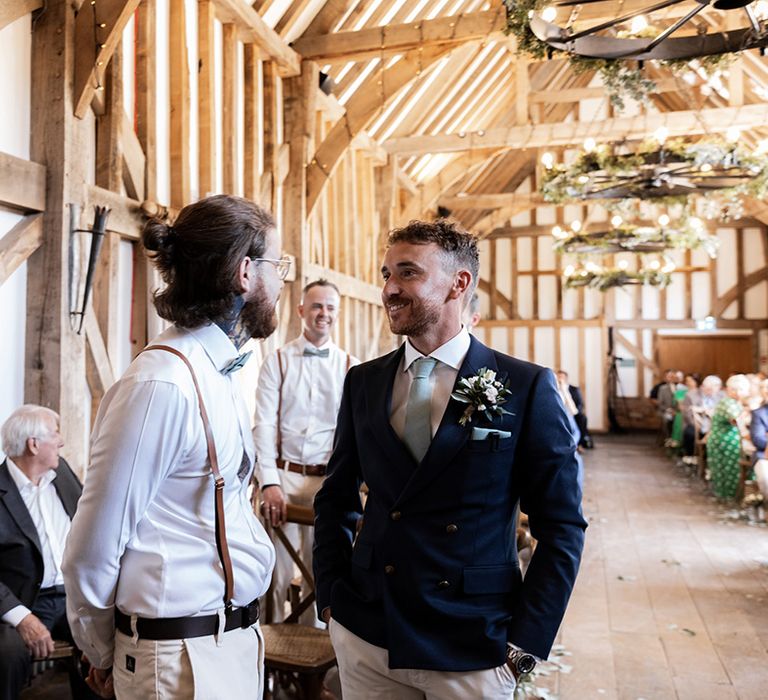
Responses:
[571,213]
[569,353]
[725,263]
[520,343]
[483,248]
[503,269]
[699,258]
[481,333]
[676,297]
[700,299]
[129,67]
[591,110]
[547,296]
[124,303]
[624,302]
[594,382]
[524,253]
[756,301]
[544,347]
[627,375]
[547,258]
[521,219]
[15,78]
[754,249]
[500,339]
[570,303]
[525,296]
[651,305]
[593,303]
[546,216]
[162,49]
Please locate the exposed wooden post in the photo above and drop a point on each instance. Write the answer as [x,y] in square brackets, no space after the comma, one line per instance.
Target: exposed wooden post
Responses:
[206,99]
[272,129]
[55,354]
[385,179]
[229,108]
[179,104]
[252,122]
[300,105]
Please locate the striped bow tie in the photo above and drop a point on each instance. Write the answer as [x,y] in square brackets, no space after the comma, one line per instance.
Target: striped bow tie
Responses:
[315,352]
[236,364]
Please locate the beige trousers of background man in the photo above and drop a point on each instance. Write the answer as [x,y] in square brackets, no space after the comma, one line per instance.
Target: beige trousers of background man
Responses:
[365,675]
[190,669]
[299,490]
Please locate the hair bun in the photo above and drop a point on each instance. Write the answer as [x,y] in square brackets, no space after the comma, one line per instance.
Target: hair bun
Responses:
[158,236]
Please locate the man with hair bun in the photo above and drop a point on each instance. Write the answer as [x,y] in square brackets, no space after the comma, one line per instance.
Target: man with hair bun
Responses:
[297,400]
[166,560]
[421,587]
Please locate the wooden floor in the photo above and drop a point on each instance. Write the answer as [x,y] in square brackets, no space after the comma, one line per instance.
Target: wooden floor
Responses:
[672,597]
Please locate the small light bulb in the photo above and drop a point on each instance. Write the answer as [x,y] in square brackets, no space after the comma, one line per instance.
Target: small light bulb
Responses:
[669,267]
[696,223]
[569,270]
[582,179]
[616,221]
[663,220]
[733,134]
[639,23]
[661,134]
[762,147]
[706,168]
[589,144]
[557,232]
[592,267]
[576,226]
[548,160]
[548,14]
[623,264]
[655,265]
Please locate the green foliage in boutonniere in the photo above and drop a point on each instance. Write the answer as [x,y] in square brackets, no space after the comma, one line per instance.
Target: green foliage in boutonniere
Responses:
[482,392]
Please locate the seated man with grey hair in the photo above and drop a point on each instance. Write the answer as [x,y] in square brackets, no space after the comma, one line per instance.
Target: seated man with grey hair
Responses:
[699,404]
[38,496]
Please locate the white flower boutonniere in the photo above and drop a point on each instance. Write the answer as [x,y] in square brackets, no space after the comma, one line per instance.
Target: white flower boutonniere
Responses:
[483,392]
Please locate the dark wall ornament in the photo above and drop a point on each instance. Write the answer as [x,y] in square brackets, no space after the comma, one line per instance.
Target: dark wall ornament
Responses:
[665,32]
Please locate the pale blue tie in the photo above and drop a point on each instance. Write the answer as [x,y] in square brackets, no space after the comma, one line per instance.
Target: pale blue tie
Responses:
[418,424]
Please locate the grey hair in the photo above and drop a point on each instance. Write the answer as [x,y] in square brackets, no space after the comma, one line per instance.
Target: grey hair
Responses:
[740,383]
[712,380]
[25,422]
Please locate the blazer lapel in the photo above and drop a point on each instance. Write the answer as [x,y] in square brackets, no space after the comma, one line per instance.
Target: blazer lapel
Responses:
[9,494]
[450,436]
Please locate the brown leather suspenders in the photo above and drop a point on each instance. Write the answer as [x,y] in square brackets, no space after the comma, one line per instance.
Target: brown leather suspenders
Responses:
[221,531]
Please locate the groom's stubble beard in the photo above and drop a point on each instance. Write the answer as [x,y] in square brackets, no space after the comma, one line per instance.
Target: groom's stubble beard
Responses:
[421,316]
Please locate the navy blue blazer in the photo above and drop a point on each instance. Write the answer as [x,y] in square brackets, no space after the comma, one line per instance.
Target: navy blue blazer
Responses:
[758,431]
[432,575]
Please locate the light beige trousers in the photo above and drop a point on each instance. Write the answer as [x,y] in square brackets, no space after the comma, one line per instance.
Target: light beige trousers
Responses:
[190,669]
[365,675]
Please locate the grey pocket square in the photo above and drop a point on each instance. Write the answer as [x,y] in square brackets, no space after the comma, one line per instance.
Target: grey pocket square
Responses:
[485,433]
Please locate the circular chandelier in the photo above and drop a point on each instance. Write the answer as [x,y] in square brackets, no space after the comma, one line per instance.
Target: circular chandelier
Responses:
[686,233]
[666,30]
[658,169]
[602,278]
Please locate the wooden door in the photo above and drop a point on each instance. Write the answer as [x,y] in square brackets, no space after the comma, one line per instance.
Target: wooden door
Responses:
[722,355]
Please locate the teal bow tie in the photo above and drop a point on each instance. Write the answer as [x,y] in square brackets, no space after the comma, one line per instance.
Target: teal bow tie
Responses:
[315,352]
[236,364]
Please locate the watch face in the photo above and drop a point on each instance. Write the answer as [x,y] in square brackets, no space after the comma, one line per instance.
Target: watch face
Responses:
[525,663]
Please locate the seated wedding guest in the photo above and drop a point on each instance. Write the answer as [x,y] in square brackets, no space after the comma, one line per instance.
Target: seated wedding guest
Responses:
[665,401]
[691,383]
[654,392]
[699,404]
[38,496]
[580,418]
[758,433]
[724,442]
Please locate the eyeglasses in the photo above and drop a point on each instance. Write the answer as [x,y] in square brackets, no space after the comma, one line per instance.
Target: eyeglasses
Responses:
[283,265]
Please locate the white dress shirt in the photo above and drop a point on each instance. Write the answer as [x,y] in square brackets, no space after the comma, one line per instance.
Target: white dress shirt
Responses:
[51,523]
[450,357]
[312,388]
[143,537]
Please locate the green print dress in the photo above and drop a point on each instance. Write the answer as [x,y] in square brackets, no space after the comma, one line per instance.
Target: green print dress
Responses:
[724,448]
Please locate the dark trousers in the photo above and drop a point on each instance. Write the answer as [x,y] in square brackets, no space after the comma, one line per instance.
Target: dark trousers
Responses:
[581,424]
[15,659]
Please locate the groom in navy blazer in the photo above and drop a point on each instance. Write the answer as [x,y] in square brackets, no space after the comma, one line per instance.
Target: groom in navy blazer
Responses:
[424,581]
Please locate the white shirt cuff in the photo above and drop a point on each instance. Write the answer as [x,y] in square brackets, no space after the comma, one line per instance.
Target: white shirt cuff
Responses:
[15,615]
[270,476]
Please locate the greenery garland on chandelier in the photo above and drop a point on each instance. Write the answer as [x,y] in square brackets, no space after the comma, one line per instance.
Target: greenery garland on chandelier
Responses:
[719,170]
[603,278]
[622,78]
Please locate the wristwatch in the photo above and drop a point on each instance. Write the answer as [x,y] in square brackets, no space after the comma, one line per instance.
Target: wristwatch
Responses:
[521,661]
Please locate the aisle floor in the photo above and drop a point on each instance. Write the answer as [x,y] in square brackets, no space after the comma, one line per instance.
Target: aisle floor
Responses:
[672,597]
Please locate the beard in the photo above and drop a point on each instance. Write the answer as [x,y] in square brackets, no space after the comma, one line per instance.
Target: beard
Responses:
[259,315]
[421,315]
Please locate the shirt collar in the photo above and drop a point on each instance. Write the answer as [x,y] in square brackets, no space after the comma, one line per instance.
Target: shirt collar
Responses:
[304,343]
[216,344]
[451,353]
[22,481]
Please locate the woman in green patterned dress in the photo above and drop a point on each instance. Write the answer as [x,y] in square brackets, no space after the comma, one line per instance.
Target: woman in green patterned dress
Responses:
[724,441]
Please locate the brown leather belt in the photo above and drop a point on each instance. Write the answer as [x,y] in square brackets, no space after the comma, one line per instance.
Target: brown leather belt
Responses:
[305,469]
[187,627]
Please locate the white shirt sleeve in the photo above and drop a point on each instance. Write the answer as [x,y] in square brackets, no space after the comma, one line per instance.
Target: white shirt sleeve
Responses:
[265,421]
[138,438]
[15,615]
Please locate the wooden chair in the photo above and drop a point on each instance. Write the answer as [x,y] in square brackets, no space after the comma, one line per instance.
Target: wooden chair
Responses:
[699,447]
[296,656]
